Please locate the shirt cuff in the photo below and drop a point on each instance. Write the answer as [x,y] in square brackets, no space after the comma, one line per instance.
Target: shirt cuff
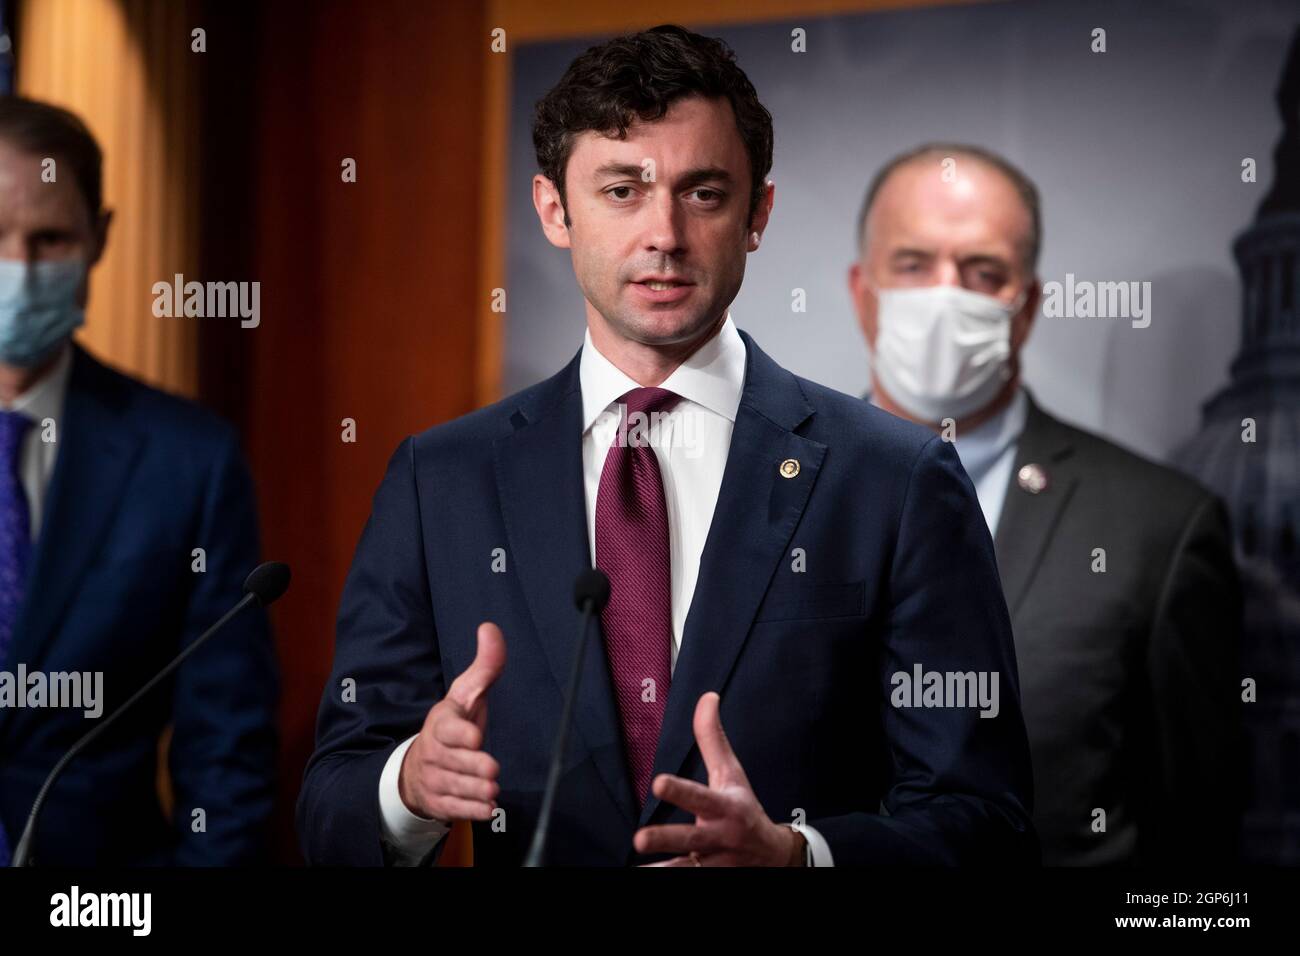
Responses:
[407,837]
[818,852]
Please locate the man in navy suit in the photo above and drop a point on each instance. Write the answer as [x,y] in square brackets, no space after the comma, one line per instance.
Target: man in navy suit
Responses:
[785,561]
[127,526]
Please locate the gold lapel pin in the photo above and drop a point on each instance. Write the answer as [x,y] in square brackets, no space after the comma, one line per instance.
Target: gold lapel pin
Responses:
[790,468]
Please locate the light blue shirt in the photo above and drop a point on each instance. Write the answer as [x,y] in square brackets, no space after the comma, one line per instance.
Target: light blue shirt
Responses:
[988,453]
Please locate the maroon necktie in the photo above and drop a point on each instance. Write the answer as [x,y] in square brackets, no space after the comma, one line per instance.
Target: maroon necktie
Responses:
[632,550]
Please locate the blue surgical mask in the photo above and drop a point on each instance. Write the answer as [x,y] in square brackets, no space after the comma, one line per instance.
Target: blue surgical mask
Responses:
[38,307]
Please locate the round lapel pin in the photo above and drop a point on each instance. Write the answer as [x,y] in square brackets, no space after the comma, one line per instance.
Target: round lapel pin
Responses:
[1032,478]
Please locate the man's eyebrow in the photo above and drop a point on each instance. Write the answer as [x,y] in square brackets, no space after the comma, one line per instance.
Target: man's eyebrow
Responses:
[907,252]
[703,174]
[692,177]
[973,258]
[985,258]
[617,169]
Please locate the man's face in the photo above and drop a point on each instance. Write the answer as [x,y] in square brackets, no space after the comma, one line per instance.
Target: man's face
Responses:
[669,204]
[925,231]
[42,221]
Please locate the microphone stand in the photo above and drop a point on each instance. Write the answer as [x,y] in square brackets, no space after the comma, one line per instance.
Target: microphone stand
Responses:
[538,847]
[22,855]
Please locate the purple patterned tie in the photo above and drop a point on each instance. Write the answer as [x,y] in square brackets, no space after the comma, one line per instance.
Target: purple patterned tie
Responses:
[632,550]
[15,545]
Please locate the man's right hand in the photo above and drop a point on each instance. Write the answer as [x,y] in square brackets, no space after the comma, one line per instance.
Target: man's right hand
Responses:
[445,774]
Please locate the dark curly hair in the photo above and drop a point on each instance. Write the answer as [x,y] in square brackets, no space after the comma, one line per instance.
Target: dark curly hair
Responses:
[640,76]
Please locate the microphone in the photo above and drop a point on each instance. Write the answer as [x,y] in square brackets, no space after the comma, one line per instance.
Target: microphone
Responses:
[590,594]
[266,583]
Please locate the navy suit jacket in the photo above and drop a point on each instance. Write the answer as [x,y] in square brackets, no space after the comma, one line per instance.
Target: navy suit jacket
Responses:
[899,570]
[141,479]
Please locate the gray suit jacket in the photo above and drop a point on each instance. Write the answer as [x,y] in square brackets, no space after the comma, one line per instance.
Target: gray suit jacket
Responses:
[1129,677]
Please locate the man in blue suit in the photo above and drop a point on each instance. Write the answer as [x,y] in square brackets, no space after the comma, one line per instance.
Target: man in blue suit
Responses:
[786,562]
[127,525]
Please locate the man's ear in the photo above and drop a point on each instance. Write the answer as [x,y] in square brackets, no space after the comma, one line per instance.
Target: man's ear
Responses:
[101,227]
[550,210]
[758,222]
[864,302]
[1023,320]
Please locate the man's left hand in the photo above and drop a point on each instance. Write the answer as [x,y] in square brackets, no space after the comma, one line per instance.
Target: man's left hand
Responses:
[730,828]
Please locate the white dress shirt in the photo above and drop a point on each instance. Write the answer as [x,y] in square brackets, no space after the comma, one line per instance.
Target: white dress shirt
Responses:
[42,402]
[691,443]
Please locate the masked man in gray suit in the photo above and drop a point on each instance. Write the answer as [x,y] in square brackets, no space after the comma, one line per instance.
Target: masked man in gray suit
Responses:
[1118,572]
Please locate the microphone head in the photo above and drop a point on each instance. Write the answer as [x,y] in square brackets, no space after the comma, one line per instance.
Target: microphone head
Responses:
[591,585]
[268,581]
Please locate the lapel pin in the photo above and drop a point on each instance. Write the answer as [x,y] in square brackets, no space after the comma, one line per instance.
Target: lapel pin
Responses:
[789,467]
[1032,478]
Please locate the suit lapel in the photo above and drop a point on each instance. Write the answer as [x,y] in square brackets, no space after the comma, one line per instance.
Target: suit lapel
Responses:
[97,450]
[541,488]
[755,517]
[540,482]
[1028,520]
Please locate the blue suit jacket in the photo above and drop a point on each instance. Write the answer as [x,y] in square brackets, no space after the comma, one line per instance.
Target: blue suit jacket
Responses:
[899,570]
[140,480]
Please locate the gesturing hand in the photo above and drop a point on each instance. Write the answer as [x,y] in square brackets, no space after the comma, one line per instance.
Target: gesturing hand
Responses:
[445,773]
[731,827]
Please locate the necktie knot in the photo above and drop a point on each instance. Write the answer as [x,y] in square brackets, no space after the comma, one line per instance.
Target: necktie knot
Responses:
[649,400]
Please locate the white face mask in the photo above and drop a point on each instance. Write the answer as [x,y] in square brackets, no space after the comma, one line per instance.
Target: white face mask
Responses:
[942,351]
